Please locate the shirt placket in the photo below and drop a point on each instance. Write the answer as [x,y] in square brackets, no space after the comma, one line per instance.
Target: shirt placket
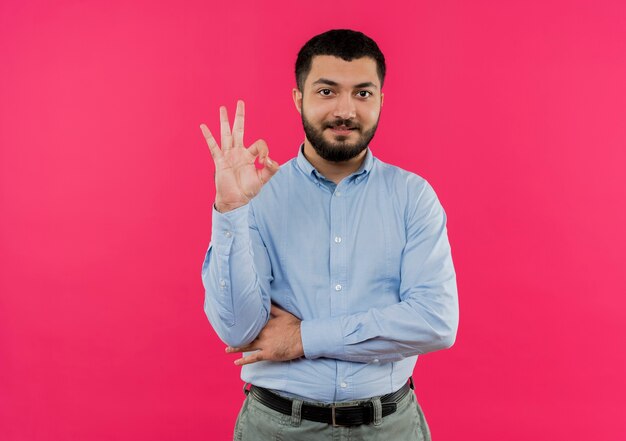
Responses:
[338,275]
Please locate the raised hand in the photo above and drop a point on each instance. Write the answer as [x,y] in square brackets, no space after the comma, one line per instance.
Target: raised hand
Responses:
[237,180]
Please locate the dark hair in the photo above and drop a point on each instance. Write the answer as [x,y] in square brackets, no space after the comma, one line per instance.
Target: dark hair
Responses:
[342,43]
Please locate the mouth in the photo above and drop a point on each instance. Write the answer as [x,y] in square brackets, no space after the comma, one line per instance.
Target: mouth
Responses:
[342,129]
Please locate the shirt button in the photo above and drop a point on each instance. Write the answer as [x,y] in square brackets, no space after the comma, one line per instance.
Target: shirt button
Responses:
[337,193]
[337,239]
[228,234]
[222,283]
[376,360]
[343,384]
[337,287]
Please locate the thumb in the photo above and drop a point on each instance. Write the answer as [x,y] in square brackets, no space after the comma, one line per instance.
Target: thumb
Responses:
[269,169]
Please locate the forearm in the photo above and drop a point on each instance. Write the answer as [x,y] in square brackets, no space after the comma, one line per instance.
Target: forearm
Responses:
[408,328]
[236,302]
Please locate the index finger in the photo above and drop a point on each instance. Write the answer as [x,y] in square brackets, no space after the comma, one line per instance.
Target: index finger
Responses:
[227,137]
[238,124]
[252,358]
[210,140]
[250,347]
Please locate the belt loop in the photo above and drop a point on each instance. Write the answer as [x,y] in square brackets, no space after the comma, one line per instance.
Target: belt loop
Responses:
[411,383]
[296,412]
[378,411]
[246,391]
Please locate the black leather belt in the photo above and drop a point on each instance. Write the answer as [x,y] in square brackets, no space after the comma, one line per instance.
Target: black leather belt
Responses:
[337,415]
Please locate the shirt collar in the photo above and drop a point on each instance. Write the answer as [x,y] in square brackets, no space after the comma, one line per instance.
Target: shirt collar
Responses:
[314,175]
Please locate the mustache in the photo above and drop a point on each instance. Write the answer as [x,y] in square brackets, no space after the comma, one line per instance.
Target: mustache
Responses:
[342,122]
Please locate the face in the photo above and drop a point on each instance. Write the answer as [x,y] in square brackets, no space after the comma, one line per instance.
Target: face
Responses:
[340,106]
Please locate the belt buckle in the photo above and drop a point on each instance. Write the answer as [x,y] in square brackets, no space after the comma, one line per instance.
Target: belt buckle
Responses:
[333,413]
[334,416]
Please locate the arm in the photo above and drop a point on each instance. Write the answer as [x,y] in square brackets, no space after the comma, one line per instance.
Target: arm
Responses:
[426,318]
[236,275]
[235,278]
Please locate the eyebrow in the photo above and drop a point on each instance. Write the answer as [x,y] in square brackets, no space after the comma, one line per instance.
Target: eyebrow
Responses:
[334,83]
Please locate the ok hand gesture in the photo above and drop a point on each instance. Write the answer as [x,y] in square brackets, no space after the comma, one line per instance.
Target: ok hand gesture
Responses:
[237,180]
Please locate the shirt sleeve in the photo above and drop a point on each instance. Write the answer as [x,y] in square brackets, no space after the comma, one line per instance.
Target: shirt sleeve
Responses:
[236,275]
[426,317]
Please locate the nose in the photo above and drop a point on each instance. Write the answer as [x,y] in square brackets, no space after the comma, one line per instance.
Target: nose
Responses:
[345,108]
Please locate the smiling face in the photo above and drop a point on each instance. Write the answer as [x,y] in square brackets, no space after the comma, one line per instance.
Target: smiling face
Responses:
[340,106]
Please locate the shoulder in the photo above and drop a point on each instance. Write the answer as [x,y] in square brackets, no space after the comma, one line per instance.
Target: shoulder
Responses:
[408,185]
[411,194]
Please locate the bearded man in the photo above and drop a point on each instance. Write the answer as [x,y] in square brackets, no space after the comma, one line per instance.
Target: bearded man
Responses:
[331,273]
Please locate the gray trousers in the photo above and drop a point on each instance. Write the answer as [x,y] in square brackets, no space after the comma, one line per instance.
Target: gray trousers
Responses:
[257,422]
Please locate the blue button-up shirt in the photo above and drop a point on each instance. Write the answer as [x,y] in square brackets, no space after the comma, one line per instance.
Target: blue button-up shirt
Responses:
[365,264]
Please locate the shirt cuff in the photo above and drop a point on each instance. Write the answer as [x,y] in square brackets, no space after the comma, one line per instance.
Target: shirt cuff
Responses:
[322,338]
[230,230]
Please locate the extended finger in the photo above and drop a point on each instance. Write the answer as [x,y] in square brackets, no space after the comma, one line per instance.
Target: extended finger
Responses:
[238,125]
[210,140]
[252,358]
[227,137]
[250,347]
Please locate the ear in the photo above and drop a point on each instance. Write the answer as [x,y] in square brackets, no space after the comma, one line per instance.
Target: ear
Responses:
[297,99]
[382,99]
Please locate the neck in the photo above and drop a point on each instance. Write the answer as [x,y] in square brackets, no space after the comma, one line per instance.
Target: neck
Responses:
[335,171]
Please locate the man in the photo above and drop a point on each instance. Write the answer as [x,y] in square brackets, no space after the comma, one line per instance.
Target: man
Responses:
[333,272]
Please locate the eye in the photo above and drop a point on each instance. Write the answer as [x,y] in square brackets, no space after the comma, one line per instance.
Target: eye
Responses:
[364,93]
[325,92]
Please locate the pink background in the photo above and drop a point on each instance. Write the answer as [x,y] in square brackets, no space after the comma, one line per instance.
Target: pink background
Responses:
[514,111]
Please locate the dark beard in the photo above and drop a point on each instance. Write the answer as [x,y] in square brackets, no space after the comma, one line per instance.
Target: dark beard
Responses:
[337,151]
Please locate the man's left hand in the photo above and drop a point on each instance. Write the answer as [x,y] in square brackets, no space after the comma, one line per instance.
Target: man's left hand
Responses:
[279,340]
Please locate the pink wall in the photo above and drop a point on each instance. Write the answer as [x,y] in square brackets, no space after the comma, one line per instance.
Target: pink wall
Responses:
[514,111]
